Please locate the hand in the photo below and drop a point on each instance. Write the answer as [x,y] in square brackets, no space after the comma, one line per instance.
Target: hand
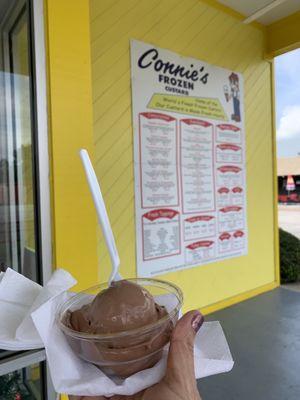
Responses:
[179,382]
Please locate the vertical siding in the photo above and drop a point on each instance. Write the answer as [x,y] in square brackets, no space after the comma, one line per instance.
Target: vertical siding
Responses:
[196,29]
[71,128]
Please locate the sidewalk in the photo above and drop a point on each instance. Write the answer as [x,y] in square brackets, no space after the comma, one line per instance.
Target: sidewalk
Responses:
[292,286]
[263,334]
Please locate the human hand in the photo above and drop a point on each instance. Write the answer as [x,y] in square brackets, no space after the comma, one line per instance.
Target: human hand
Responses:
[179,382]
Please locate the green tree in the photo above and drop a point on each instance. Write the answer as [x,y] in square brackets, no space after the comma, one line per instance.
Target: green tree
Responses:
[289,257]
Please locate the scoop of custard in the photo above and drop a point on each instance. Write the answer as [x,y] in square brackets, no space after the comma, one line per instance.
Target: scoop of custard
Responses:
[122,307]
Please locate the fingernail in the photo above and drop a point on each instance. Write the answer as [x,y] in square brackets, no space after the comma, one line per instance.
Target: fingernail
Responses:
[197,321]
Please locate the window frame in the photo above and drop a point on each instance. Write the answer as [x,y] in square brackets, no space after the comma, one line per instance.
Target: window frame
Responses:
[17,360]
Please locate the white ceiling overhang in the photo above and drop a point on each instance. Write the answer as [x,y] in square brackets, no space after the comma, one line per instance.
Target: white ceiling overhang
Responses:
[264,11]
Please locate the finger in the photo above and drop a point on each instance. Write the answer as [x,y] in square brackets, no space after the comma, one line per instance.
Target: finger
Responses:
[180,365]
[116,397]
[137,396]
[87,397]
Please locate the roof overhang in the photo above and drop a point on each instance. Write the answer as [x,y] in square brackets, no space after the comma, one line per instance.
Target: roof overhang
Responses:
[279,19]
[265,12]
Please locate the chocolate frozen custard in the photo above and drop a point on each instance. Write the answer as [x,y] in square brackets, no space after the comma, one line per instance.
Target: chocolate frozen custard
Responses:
[123,307]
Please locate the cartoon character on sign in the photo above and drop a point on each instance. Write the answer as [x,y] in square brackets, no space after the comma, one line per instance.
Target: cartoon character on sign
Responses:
[235,95]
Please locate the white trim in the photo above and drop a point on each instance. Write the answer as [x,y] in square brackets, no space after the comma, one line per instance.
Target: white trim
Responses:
[262,11]
[42,128]
[43,153]
[16,362]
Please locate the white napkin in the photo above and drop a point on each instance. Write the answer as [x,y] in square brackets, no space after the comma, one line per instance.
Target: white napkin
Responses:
[69,373]
[19,297]
[72,375]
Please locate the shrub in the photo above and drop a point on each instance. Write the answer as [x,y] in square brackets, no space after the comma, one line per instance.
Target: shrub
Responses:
[289,257]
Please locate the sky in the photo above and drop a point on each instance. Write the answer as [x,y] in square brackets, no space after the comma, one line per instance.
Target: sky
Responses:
[287,78]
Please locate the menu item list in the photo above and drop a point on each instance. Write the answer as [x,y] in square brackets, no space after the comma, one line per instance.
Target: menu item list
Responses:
[189,175]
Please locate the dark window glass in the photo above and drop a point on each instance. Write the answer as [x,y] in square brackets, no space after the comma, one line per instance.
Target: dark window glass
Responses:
[23,384]
[18,236]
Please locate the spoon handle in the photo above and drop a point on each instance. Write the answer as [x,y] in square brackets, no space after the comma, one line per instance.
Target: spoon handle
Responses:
[102,214]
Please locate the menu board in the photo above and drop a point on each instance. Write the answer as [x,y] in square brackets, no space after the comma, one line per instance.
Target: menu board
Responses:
[189,161]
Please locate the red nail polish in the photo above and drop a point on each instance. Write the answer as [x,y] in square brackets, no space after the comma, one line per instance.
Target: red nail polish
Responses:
[197,321]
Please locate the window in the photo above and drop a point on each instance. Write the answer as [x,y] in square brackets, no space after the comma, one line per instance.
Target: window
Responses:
[24,229]
[18,222]
[23,379]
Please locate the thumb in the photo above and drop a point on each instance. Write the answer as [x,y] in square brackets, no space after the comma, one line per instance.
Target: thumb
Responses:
[187,327]
[180,364]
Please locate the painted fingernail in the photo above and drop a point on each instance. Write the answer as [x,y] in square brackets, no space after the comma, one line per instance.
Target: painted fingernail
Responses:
[197,321]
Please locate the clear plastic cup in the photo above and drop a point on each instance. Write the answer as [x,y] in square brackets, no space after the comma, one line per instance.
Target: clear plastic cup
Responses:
[124,353]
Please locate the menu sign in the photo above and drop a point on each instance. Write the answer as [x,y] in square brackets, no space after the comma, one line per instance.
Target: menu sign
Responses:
[189,160]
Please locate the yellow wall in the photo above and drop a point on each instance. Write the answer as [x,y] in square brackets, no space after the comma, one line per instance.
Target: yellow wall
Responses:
[198,29]
[283,35]
[70,118]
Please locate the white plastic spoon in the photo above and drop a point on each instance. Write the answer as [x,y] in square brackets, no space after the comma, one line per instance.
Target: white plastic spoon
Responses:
[102,214]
